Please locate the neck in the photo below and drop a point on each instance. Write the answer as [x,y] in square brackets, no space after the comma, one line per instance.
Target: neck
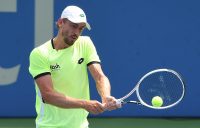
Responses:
[59,43]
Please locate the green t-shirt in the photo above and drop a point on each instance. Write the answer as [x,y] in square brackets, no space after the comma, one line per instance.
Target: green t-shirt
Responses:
[68,70]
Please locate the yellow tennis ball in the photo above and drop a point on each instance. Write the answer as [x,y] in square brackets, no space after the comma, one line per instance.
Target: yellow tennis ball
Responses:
[157,101]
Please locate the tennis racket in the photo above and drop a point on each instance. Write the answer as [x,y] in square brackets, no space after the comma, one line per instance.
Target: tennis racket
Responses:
[164,83]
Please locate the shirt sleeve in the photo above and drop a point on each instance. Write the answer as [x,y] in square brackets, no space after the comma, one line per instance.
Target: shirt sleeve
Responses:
[39,64]
[91,53]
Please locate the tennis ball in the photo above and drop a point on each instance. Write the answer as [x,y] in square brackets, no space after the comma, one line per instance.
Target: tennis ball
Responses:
[157,101]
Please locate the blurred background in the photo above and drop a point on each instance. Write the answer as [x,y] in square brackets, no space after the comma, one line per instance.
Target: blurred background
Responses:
[132,37]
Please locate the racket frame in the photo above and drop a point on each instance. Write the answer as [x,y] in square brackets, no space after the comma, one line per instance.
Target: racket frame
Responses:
[122,100]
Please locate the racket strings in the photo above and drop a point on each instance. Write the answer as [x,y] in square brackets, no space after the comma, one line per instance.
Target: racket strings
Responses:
[163,84]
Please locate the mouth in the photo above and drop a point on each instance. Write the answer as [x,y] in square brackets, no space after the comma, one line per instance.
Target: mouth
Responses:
[74,37]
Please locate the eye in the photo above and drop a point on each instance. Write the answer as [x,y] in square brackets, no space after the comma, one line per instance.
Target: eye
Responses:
[74,26]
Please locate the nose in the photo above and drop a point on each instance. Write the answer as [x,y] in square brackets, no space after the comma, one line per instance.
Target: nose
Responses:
[77,32]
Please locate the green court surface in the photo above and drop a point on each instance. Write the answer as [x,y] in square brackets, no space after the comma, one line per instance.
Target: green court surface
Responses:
[114,123]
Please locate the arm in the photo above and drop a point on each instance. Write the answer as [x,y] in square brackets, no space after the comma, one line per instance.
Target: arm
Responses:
[102,82]
[103,86]
[50,96]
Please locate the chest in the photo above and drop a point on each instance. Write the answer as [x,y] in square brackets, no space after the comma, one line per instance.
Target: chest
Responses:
[66,61]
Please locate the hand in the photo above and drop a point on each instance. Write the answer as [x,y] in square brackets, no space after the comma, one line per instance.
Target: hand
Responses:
[94,107]
[111,103]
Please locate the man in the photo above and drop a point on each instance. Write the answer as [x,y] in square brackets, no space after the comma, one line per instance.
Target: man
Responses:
[59,68]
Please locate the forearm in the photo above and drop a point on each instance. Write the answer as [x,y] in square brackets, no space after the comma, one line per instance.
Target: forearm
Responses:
[103,87]
[60,100]
[102,82]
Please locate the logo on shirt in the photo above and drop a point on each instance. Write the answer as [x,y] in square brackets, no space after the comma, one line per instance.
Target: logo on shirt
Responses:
[55,67]
[80,60]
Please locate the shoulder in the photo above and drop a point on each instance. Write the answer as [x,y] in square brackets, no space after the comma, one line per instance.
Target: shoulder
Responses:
[84,39]
[42,50]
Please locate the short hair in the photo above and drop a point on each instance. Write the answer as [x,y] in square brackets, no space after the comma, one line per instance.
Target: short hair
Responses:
[64,20]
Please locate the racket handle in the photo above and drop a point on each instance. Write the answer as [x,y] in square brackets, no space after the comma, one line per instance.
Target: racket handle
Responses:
[135,102]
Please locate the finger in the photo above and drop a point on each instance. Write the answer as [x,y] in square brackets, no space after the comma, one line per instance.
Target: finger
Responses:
[104,106]
[99,107]
[118,103]
[110,98]
[114,105]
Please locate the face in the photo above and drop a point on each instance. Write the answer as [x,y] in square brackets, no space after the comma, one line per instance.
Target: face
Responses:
[70,31]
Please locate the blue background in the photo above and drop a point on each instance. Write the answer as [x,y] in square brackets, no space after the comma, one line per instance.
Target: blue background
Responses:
[132,37]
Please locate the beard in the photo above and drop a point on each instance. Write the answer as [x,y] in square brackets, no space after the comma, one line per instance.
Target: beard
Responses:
[68,42]
[68,39]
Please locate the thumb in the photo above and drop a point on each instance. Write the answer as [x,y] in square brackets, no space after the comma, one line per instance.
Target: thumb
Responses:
[104,106]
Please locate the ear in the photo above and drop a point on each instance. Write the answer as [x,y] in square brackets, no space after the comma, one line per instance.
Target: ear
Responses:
[59,22]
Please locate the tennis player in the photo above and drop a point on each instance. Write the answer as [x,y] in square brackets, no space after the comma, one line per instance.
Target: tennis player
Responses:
[59,68]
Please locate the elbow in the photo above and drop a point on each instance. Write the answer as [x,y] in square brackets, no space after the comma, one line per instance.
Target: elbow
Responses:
[46,97]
